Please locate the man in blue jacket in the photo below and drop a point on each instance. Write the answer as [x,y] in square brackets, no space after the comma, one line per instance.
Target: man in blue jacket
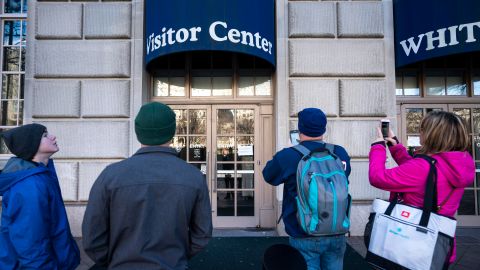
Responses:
[34,232]
[327,252]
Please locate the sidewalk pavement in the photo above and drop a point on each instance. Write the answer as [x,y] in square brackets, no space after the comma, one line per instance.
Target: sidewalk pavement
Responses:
[468,246]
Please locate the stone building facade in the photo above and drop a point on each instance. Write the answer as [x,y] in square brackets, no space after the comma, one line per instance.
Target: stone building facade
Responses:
[85,79]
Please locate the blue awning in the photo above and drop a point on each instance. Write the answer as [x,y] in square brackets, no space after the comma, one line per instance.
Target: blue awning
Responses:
[426,29]
[243,26]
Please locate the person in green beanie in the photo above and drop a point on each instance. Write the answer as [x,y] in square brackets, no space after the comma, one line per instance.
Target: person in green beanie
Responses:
[149,211]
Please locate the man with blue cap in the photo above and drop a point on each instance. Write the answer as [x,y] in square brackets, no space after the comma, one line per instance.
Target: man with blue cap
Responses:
[320,252]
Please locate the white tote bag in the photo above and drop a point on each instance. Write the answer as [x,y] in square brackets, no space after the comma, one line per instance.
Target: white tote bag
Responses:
[403,236]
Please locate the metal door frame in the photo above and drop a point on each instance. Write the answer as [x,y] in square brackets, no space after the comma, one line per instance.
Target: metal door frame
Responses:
[229,221]
[236,221]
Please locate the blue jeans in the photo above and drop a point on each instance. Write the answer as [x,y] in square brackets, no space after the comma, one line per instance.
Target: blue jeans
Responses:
[321,253]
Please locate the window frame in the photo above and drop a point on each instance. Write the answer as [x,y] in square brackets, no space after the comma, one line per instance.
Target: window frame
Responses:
[236,72]
[422,68]
[22,16]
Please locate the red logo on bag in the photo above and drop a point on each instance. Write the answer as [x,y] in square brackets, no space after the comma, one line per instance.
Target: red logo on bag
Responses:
[405,214]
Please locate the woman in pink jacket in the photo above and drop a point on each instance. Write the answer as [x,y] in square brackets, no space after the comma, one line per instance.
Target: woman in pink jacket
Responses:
[444,137]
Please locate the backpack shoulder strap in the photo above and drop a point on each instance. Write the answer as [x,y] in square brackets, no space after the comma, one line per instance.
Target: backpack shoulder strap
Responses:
[326,147]
[330,147]
[302,150]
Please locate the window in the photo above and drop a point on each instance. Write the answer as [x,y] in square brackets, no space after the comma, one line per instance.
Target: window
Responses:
[254,77]
[169,80]
[407,83]
[476,82]
[13,14]
[452,76]
[476,75]
[211,75]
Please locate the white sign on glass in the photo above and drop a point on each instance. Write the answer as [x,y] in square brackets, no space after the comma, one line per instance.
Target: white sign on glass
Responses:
[413,141]
[245,150]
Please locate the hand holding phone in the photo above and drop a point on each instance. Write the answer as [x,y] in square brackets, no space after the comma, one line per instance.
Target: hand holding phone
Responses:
[385,127]
[294,137]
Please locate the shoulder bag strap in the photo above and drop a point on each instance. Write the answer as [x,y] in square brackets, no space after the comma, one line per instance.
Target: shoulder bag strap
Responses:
[430,200]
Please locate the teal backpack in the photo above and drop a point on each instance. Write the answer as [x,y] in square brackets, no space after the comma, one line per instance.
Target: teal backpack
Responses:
[323,202]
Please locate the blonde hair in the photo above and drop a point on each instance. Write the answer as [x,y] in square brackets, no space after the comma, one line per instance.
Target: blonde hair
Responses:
[442,132]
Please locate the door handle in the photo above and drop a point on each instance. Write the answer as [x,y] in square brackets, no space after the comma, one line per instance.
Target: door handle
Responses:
[207,176]
[214,178]
[207,170]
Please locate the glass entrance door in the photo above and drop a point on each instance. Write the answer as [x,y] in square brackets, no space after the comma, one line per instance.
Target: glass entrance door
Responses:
[220,140]
[468,213]
[469,210]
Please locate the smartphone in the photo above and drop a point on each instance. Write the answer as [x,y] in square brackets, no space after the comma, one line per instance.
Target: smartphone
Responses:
[294,137]
[385,127]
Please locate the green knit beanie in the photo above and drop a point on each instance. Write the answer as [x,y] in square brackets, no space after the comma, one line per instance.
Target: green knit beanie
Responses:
[155,124]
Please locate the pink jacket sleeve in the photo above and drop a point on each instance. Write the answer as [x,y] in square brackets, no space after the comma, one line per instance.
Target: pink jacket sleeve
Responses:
[400,154]
[409,176]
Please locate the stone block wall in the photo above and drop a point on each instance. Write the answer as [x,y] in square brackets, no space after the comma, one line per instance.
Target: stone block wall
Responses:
[84,82]
[338,56]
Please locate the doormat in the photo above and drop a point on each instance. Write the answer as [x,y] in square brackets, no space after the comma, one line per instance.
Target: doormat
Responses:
[245,253]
